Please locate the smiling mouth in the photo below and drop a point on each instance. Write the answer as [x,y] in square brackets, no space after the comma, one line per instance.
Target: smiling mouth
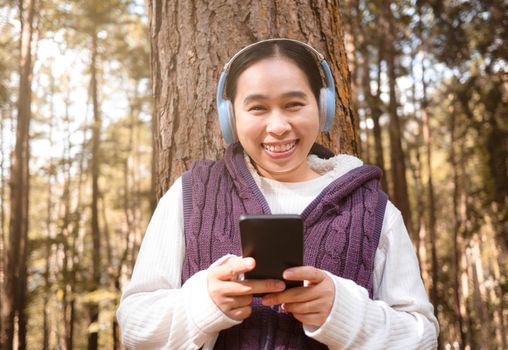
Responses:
[280,148]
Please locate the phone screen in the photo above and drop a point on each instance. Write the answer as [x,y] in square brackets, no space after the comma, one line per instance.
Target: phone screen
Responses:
[275,242]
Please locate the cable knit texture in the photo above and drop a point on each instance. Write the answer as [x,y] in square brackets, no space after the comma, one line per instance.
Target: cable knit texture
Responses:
[342,229]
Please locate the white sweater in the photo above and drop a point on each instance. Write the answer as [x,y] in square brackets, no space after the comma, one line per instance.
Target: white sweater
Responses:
[157,312]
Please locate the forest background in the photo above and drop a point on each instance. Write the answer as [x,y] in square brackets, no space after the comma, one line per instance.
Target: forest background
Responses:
[78,160]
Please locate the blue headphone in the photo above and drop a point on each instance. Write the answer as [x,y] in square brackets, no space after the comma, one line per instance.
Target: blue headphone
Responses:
[326,94]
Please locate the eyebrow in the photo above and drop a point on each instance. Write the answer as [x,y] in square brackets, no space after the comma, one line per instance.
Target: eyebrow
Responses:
[256,97]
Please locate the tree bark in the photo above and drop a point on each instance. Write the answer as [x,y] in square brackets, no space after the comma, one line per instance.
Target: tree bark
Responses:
[419,223]
[353,41]
[129,211]
[398,165]
[480,292]
[49,217]
[192,40]
[497,148]
[372,106]
[3,152]
[496,291]
[376,111]
[467,286]
[457,223]
[68,224]
[14,293]
[93,335]
[430,191]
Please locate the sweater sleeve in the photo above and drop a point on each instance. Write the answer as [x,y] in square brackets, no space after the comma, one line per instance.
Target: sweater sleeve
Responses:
[399,317]
[155,310]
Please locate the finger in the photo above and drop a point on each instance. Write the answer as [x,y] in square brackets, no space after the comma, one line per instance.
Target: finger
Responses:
[248,287]
[242,300]
[264,286]
[293,295]
[311,320]
[230,288]
[304,273]
[231,268]
[240,313]
[230,302]
[307,307]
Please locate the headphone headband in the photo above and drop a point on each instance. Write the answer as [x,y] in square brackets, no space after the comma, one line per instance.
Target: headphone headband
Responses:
[326,98]
[318,55]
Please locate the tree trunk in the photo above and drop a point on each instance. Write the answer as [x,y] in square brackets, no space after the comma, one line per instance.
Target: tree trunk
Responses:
[398,166]
[65,227]
[421,240]
[417,178]
[65,236]
[14,295]
[480,293]
[3,152]
[457,223]
[496,292]
[153,173]
[467,304]
[372,102]
[497,150]
[49,217]
[465,308]
[192,40]
[376,112]
[363,65]
[74,267]
[353,41]
[128,208]
[419,223]
[430,191]
[93,335]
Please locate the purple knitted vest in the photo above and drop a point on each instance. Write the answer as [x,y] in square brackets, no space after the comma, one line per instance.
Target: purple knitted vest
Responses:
[342,228]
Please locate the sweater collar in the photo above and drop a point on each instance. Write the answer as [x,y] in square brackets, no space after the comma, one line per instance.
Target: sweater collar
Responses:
[321,160]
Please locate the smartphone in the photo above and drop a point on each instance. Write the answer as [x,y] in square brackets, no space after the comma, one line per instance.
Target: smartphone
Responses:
[275,242]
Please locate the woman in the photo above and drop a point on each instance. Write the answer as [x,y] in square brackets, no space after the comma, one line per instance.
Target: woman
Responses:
[362,287]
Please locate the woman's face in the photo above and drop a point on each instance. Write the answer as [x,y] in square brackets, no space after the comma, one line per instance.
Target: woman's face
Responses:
[277,118]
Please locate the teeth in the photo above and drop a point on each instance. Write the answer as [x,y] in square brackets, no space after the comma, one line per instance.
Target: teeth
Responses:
[279,148]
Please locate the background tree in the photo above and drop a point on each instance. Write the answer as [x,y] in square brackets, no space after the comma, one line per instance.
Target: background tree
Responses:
[397,154]
[8,65]
[442,50]
[14,297]
[450,62]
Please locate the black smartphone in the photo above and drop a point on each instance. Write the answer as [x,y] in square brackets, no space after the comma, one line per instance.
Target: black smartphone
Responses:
[275,242]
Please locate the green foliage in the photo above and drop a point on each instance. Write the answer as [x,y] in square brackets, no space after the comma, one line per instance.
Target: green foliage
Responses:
[60,185]
[462,45]
[8,51]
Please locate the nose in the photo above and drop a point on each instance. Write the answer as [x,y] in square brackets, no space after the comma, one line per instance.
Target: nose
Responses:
[278,123]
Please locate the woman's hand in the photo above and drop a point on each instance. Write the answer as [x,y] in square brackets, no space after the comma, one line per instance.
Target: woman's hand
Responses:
[232,296]
[310,304]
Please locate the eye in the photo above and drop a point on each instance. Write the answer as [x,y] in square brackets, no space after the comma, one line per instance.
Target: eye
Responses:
[294,105]
[257,108]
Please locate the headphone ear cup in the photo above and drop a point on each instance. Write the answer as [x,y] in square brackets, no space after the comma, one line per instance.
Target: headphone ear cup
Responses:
[232,122]
[326,108]
[322,109]
[225,112]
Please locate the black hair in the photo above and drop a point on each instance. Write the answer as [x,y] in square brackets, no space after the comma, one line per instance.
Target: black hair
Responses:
[297,53]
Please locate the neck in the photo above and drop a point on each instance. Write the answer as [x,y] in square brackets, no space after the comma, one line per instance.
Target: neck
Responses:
[303,173]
